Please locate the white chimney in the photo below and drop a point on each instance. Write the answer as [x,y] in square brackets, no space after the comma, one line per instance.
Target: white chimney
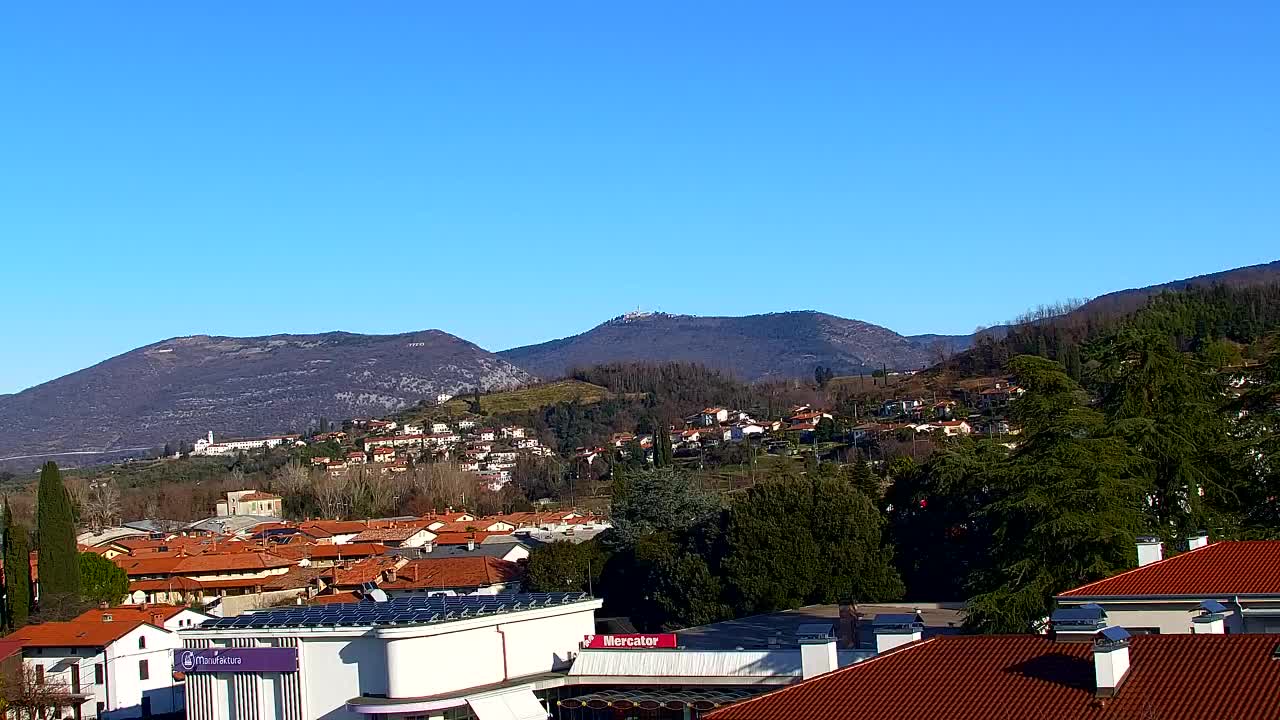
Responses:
[428,546]
[1150,550]
[896,629]
[1197,541]
[471,544]
[817,649]
[1212,619]
[1110,661]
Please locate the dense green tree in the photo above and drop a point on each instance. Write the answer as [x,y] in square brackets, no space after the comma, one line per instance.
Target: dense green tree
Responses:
[1258,438]
[662,456]
[812,539]
[1066,506]
[565,567]
[941,540]
[864,479]
[102,581]
[17,572]
[1165,403]
[56,538]
[657,500]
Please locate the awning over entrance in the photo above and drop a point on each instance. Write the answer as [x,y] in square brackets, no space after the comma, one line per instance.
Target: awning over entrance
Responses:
[653,699]
[518,704]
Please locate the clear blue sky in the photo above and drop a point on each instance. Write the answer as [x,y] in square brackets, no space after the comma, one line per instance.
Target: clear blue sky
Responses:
[514,172]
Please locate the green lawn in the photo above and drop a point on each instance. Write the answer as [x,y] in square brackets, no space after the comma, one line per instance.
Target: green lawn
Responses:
[534,397]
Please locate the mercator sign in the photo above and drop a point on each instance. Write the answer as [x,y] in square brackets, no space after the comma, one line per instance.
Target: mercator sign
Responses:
[630,642]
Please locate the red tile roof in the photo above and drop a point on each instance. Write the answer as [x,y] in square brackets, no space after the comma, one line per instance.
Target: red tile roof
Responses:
[172,584]
[338,597]
[461,538]
[460,572]
[75,633]
[329,552]
[258,496]
[393,534]
[1025,677]
[1250,567]
[361,571]
[154,614]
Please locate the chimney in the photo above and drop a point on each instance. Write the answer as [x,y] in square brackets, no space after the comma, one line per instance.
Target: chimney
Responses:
[1198,540]
[104,605]
[1110,661]
[896,629]
[1150,550]
[817,649]
[1212,619]
[427,547]
[471,544]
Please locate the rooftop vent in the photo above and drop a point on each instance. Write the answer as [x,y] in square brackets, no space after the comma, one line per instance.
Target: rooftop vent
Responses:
[1212,619]
[818,654]
[1110,660]
[1150,550]
[896,629]
[1079,624]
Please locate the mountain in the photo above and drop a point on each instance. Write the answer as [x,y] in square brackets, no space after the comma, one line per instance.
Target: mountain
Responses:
[181,388]
[754,347]
[1124,301]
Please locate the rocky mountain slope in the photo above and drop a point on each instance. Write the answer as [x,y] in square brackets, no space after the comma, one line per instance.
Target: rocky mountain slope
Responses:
[754,347]
[181,388]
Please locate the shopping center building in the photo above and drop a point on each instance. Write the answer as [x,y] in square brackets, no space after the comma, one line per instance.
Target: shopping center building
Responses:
[507,657]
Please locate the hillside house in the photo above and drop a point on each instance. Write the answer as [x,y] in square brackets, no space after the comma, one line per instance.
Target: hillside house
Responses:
[250,502]
[714,416]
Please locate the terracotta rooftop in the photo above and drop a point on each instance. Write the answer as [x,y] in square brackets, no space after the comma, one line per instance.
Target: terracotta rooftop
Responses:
[76,633]
[1026,677]
[258,496]
[391,534]
[1247,567]
[361,571]
[156,614]
[461,572]
[329,551]
[461,538]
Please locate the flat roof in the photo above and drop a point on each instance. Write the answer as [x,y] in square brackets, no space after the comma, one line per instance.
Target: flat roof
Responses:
[757,630]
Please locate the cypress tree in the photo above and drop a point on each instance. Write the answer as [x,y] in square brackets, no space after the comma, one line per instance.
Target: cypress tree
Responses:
[662,447]
[56,538]
[17,572]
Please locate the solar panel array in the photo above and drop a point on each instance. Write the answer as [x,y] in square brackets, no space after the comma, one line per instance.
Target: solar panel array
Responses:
[410,610]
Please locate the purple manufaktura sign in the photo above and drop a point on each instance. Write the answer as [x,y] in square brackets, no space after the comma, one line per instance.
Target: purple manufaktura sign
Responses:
[235,660]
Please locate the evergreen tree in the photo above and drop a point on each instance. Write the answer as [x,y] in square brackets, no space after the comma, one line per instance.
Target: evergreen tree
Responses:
[662,447]
[17,572]
[1165,404]
[798,540]
[102,580]
[56,538]
[1066,505]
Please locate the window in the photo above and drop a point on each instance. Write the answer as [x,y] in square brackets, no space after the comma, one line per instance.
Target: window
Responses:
[144,672]
[97,673]
[39,674]
[142,642]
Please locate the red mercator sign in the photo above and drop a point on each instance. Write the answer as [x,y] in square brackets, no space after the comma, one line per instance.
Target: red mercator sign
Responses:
[630,642]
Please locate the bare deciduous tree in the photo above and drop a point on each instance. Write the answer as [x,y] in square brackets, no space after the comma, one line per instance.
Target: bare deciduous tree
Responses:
[331,494]
[102,508]
[28,696]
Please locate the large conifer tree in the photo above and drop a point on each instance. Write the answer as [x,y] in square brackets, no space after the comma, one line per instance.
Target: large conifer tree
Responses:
[59,562]
[17,572]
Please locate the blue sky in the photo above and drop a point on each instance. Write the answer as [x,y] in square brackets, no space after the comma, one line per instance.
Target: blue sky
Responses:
[514,172]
